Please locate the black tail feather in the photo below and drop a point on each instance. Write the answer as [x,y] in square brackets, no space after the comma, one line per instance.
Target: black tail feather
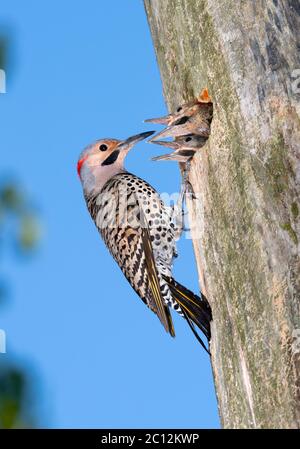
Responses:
[196,310]
[192,327]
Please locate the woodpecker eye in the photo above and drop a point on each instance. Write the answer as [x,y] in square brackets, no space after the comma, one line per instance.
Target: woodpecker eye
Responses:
[181,121]
[188,139]
[179,109]
[103,147]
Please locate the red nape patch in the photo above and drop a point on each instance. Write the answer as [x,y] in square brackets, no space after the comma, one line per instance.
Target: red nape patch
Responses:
[80,164]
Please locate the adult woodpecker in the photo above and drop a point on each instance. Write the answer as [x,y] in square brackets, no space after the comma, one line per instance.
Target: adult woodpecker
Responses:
[139,231]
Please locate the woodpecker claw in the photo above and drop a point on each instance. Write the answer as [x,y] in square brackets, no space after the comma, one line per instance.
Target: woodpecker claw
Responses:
[189,190]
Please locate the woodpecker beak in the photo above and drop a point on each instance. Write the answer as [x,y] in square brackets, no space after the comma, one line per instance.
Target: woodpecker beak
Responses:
[183,128]
[133,140]
[169,144]
[160,120]
[189,142]
[184,157]
[169,131]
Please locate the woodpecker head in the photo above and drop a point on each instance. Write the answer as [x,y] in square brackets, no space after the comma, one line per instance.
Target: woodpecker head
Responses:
[185,110]
[103,159]
[184,147]
[188,142]
[193,117]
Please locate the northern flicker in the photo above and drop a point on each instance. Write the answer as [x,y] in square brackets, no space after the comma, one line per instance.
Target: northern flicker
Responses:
[193,117]
[184,147]
[139,231]
[189,125]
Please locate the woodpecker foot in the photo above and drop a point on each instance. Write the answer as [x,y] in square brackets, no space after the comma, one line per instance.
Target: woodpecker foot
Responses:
[188,190]
[186,185]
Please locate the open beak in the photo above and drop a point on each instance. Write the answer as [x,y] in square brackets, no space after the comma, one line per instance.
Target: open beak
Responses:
[133,140]
[169,131]
[169,144]
[164,143]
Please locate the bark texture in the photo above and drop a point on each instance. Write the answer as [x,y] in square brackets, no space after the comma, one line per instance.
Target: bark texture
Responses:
[246,217]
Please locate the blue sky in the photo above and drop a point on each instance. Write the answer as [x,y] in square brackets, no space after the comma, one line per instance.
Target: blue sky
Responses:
[82,71]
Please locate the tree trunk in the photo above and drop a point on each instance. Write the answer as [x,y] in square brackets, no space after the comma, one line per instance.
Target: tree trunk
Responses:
[246,216]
